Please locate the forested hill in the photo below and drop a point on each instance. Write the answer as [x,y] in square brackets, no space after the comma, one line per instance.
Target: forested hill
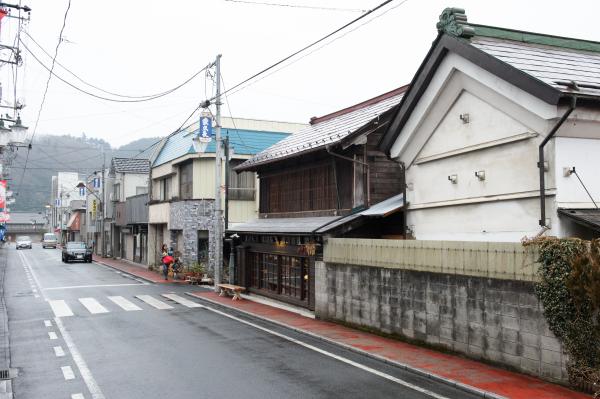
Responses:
[52,154]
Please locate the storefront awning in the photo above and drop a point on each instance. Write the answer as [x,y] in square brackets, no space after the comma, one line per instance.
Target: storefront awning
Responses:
[379,210]
[74,222]
[283,225]
[589,218]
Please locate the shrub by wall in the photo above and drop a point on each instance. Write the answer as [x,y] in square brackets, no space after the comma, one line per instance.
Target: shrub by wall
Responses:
[569,290]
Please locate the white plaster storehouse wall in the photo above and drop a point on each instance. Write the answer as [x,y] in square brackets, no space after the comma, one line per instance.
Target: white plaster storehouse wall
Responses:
[505,129]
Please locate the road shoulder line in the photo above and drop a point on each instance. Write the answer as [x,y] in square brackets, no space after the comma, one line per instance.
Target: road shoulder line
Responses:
[459,385]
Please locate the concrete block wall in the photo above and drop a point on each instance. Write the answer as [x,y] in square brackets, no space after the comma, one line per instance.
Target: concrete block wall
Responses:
[493,319]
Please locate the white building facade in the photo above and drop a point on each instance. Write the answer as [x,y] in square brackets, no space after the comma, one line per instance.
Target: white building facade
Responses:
[470,128]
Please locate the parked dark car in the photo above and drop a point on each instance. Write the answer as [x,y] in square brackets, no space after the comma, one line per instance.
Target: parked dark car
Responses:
[76,250]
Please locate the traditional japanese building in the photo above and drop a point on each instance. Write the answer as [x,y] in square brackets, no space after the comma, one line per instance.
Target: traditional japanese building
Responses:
[319,182]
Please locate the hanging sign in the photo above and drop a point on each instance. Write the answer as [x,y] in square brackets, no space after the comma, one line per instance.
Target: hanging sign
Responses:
[82,192]
[57,202]
[205,131]
[96,182]
[2,194]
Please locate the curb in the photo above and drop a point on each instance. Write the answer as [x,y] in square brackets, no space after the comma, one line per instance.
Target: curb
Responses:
[116,268]
[455,384]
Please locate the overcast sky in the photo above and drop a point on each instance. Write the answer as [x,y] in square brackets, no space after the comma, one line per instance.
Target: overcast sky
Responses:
[144,47]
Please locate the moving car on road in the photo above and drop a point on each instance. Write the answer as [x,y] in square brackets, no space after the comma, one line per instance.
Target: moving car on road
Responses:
[23,242]
[49,241]
[76,250]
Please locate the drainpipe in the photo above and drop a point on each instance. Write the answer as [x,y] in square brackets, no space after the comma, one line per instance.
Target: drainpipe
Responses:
[359,162]
[540,164]
[403,166]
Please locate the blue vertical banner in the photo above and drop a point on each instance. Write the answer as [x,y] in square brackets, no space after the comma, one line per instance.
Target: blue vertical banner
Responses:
[82,192]
[96,182]
[205,131]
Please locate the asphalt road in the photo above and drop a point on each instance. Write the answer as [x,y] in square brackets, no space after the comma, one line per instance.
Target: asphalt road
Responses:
[86,331]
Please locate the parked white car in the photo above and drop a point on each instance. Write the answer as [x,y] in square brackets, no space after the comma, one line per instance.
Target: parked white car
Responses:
[23,242]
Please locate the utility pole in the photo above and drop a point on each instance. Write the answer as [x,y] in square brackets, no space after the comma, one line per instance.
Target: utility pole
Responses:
[218,164]
[103,204]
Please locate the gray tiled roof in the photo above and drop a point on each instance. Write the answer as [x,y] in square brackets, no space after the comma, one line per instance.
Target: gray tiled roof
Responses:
[329,131]
[550,64]
[131,165]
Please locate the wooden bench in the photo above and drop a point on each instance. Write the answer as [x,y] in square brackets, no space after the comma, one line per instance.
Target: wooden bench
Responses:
[230,289]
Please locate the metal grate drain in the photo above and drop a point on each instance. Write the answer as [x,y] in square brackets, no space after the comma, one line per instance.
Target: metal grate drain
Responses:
[4,374]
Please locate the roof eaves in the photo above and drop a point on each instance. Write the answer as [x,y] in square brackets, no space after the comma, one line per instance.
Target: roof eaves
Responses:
[363,104]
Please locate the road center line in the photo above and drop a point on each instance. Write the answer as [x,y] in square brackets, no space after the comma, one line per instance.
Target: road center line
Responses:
[90,286]
[85,372]
[333,356]
[30,268]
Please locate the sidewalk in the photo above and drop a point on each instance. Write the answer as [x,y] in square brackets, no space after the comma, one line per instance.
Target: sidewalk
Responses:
[140,271]
[453,369]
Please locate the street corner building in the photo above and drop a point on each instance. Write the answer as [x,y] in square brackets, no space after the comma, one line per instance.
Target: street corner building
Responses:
[182,194]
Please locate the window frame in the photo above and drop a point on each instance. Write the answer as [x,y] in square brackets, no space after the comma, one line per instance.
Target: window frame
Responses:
[186,188]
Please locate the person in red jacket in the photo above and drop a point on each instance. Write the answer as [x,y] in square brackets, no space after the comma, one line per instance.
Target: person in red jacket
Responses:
[167,262]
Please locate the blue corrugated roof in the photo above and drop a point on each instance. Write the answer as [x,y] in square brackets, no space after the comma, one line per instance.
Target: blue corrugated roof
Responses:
[243,142]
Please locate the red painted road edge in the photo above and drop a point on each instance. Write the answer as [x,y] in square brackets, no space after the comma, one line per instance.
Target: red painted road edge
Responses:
[449,367]
[138,271]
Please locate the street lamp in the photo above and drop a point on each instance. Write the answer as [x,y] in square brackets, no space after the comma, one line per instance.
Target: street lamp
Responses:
[18,132]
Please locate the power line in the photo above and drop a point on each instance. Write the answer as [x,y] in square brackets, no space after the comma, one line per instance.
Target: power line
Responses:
[46,90]
[318,48]
[149,96]
[297,6]
[130,100]
[310,45]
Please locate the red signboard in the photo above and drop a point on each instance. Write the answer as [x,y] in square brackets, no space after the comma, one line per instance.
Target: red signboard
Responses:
[2,195]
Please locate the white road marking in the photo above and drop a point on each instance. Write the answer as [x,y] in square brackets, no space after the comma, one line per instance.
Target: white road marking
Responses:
[60,308]
[87,376]
[92,305]
[333,356]
[68,373]
[36,296]
[182,301]
[154,302]
[124,303]
[77,396]
[47,323]
[91,286]
[35,290]
[52,335]
[58,351]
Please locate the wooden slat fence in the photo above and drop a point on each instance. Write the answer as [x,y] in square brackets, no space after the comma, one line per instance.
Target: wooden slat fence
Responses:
[501,260]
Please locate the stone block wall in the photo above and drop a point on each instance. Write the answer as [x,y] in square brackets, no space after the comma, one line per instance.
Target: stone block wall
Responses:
[483,318]
[189,216]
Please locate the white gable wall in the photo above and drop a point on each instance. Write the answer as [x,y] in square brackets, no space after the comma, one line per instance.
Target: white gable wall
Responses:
[506,126]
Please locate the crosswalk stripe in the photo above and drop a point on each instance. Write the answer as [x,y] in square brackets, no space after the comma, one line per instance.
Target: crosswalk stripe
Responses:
[52,335]
[60,308]
[124,303]
[92,305]
[77,396]
[182,301]
[153,302]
